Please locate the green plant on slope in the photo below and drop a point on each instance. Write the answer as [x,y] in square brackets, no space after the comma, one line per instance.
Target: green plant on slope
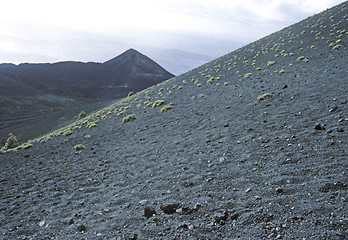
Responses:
[270,63]
[247,75]
[79,147]
[129,118]
[264,96]
[26,145]
[67,132]
[166,108]
[157,103]
[10,143]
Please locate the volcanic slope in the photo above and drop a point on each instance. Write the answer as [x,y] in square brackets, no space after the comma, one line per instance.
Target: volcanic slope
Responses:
[252,145]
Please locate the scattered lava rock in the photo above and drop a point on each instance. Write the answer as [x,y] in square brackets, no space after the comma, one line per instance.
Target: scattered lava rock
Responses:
[170,208]
[333,187]
[149,212]
[319,126]
[82,228]
[221,217]
[235,216]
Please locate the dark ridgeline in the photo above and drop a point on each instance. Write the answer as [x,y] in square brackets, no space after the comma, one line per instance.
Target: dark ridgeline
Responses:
[130,71]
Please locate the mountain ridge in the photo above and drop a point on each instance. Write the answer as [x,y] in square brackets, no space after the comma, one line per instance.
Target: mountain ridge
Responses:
[73,79]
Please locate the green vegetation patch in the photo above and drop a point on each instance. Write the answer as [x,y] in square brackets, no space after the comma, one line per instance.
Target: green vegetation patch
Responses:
[67,132]
[129,118]
[166,108]
[11,142]
[92,124]
[264,96]
[157,103]
[79,147]
[270,63]
[247,75]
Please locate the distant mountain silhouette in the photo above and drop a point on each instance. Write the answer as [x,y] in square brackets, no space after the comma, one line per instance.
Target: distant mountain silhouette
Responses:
[131,71]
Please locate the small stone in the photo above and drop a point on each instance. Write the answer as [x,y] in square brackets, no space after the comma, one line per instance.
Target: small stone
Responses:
[170,208]
[42,223]
[149,212]
[221,217]
[279,190]
[340,130]
[248,190]
[71,221]
[191,227]
[319,126]
[333,109]
[197,206]
[82,228]
[183,225]
[135,237]
[235,216]
[143,202]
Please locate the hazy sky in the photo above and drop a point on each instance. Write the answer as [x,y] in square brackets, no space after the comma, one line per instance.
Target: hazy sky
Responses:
[177,34]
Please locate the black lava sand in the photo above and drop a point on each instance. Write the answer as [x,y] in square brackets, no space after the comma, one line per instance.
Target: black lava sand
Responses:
[219,164]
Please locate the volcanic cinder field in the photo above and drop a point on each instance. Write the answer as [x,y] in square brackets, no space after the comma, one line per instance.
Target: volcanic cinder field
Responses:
[252,145]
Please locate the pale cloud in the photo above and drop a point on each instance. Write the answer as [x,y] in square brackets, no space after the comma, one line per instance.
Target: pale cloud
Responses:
[90,30]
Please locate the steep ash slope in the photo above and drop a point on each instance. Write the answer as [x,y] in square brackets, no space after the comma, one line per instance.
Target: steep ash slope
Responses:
[215,163]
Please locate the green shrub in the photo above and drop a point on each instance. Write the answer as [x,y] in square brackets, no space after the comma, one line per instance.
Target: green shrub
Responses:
[264,96]
[270,63]
[67,132]
[129,118]
[82,115]
[157,103]
[247,75]
[26,145]
[79,147]
[11,142]
[166,108]
[92,124]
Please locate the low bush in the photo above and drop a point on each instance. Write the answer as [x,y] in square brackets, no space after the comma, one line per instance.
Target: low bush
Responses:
[11,142]
[82,115]
[166,108]
[264,96]
[79,147]
[157,103]
[129,118]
